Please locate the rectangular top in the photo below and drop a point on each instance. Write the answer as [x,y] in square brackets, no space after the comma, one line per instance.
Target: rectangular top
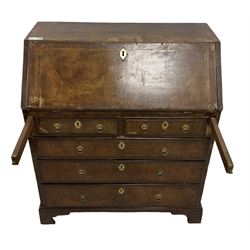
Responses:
[123,32]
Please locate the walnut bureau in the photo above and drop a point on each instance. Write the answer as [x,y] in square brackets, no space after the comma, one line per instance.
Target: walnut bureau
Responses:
[121,116]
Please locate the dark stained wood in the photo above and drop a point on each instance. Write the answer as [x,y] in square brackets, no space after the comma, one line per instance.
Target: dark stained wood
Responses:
[71,76]
[166,127]
[204,173]
[119,171]
[109,195]
[77,125]
[113,134]
[24,136]
[144,114]
[123,32]
[46,215]
[194,214]
[228,164]
[167,149]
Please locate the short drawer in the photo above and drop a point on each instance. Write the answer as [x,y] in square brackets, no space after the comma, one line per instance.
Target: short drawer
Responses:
[111,195]
[166,127]
[77,125]
[85,171]
[171,149]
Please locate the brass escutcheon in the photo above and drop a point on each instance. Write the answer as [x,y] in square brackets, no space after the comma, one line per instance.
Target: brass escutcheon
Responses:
[82,197]
[164,151]
[158,197]
[121,145]
[121,190]
[82,171]
[121,167]
[144,127]
[165,125]
[159,172]
[57,126]
[79,149]
[123,54]
[77,124]
[99,128]
[185,128]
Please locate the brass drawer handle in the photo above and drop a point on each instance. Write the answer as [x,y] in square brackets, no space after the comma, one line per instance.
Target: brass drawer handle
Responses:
[121,145]
[185,128]
[121,190]
[79,149]
[159,172]
[123,54]
[121,167]
[158,197]
[83,197]
[165,125]
[57,126]
[99,128]
[164,151]
[144,127]
[82,171]
[78,124]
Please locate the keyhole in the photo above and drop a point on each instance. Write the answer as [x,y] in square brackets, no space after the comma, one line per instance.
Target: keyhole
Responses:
[123,53]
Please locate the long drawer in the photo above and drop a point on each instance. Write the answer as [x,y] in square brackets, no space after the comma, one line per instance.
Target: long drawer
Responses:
[109,195]
[171,149]
[86,171]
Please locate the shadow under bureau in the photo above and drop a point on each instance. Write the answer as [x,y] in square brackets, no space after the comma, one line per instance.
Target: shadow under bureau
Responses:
[121,117]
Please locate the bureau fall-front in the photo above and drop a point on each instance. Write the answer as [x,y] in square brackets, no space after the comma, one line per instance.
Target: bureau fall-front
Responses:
[121,117]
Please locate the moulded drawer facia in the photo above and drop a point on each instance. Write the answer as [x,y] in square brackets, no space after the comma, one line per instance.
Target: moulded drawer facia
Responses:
[77,125]
[166,127]
[82,171]
[169,149]
[120,195]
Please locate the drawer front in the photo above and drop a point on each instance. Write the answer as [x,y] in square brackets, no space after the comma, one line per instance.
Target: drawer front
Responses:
[178,149]
[106,195]
[82,171]
[78,125]
[166,127]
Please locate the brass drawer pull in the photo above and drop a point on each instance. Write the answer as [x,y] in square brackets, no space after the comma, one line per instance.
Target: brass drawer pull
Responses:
[82,171]
[99,128]
[165,125]
[78,124]
[82,197]
[57,126]
[144,127]
[158,197]
[123,54]
[121,167]
[185,128]
[121,145]
[121,190]
[159,172]
[164,151]
[79,149]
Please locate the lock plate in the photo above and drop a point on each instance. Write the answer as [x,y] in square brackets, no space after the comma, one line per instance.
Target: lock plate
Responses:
[77,124]
[121,145]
